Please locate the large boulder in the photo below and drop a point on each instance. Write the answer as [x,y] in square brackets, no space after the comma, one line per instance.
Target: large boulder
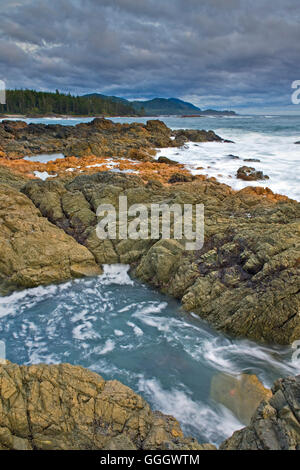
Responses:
[64,407]
[276,423]
[248,173]
[33,251]
[195,135]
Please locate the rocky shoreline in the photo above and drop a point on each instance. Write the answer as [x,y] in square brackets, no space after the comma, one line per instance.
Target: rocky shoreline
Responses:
[244,281]
[100,137]
[65,407]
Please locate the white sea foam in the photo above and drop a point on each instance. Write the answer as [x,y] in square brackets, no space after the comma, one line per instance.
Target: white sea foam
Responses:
[43,175]
[115,274]
[84,331]
[118,333]
[223,355]
[160,323]
[278,155]
[108,347]
[154,307]
[137,331]
[26,298]
[216,424]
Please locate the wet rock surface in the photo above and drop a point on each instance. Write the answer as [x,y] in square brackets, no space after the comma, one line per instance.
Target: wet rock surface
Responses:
[248,173]
[276,423]
[64,407]
[193,135]
[11,178]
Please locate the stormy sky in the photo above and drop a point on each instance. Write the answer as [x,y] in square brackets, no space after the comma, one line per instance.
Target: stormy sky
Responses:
[232,54]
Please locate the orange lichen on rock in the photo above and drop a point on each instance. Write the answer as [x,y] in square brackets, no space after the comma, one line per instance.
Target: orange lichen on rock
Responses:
[257,192]
[20,167]
[69,167]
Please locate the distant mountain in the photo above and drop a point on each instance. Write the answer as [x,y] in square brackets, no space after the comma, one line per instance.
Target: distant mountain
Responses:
[159,106]
[163,106]
[115,99]
[214,112]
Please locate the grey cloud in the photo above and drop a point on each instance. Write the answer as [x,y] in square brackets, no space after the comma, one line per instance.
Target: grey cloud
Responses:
[244,52]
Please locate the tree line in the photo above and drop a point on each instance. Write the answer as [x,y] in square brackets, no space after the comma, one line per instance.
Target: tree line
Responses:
[31,102]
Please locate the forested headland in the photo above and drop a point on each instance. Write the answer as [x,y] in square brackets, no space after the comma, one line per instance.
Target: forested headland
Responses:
[31,102]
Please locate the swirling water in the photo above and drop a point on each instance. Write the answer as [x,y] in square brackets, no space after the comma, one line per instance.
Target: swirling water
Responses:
[124,330]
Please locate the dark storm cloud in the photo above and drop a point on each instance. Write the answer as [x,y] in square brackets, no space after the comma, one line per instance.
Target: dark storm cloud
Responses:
[214,52]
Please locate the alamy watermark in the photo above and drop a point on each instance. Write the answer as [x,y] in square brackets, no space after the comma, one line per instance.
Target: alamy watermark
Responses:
[296,94]
[2,92]
[152,221]
[296,353]
[2,352]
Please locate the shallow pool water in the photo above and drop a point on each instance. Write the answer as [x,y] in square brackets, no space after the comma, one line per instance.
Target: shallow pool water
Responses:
[45,157]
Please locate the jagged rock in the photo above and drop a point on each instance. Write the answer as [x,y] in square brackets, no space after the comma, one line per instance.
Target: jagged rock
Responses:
[65,407]
[194,135]
[167,161]
[241,394]
[276,423]
[100,137]
[140,155]
[180,178]
[244,281]
[248,173]
[32,250]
